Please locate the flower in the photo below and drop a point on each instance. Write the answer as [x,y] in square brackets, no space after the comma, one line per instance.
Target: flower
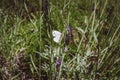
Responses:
[68,36]
[58,63]
[69,31]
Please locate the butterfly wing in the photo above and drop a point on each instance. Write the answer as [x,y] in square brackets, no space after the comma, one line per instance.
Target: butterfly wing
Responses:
[56,35]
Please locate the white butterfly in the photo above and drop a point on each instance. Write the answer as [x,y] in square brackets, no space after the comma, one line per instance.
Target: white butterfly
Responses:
[57,36]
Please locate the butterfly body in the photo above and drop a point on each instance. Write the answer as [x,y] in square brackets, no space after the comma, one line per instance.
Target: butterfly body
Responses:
[56,35]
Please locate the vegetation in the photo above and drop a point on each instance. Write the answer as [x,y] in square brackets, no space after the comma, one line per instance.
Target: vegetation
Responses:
[27,49]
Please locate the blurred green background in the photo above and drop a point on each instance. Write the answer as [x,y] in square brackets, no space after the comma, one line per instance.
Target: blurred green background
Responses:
[27,49]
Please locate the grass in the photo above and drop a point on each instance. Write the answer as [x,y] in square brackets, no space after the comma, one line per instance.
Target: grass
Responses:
[29,52]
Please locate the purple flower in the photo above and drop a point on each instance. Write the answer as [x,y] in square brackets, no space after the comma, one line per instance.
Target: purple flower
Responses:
[58,63]
[69,35]
[67,38]
[69,31]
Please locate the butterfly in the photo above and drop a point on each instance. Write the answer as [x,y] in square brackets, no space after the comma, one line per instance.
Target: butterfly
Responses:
[56,36]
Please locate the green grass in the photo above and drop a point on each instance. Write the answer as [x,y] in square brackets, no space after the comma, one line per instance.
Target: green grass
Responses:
[29,52]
